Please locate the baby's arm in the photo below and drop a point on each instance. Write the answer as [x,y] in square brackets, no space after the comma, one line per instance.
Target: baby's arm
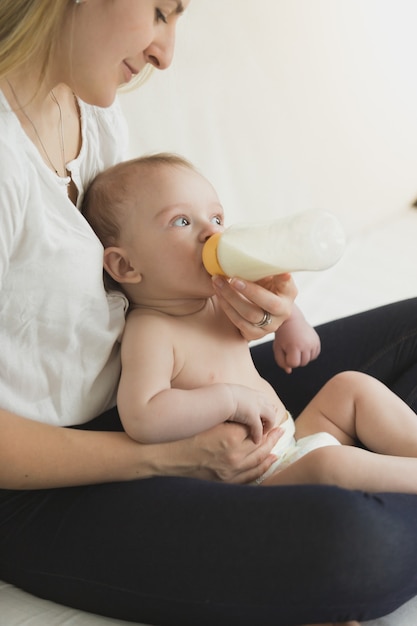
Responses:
[152,411]
[296,342]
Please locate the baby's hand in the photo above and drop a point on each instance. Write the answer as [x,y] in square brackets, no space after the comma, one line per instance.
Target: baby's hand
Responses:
[296,343]
[254,409]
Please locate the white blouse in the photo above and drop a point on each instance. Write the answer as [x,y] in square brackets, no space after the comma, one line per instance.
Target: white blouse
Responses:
[59,330]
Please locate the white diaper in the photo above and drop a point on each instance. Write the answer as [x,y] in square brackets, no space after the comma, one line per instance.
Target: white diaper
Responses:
[288,450]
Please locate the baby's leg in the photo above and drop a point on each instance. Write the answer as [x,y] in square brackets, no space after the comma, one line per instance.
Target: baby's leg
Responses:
[350,468]
[354,406]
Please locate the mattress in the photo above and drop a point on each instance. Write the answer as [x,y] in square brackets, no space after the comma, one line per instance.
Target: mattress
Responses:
[18,608]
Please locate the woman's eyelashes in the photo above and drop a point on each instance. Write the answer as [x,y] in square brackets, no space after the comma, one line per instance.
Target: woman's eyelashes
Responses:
[160,16]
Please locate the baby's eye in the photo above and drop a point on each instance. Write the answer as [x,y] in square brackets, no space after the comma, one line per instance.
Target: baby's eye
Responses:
[217,219]
[181,221]
[160,17]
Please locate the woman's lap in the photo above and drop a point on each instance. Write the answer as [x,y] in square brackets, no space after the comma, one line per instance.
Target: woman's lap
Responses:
[182,551]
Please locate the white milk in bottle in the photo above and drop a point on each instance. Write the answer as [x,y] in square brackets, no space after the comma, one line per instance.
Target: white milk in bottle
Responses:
[311,240]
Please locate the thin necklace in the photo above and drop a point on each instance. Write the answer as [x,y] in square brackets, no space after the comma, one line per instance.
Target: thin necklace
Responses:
[61,130]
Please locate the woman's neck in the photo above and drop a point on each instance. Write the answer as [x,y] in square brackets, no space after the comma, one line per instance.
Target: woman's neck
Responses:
[32,91]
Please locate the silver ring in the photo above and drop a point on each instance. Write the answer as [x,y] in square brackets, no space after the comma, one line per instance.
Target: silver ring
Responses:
[265,321]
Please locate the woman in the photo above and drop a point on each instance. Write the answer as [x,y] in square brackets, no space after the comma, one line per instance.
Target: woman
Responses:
[75,525]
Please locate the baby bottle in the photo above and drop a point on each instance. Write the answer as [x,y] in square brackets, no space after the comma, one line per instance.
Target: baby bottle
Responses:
[311,240]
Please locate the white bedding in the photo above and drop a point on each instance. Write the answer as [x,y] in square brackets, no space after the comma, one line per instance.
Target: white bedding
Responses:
[18,608]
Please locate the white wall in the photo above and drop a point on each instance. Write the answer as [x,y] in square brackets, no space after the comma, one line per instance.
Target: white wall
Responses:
[292,104]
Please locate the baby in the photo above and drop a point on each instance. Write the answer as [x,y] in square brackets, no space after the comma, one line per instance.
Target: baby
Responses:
[186,367]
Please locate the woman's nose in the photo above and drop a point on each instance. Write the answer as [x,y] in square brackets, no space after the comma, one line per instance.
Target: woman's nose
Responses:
[161,51]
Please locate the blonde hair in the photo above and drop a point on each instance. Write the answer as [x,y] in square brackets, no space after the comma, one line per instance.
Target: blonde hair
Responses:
[28,30]
[114,191]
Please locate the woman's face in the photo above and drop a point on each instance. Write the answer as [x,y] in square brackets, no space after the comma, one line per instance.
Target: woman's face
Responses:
[106,42]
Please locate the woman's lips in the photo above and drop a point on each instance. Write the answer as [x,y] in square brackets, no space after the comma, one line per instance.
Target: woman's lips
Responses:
[129,71]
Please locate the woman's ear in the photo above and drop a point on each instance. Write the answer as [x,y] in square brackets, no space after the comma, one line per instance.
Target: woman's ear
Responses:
[117,263]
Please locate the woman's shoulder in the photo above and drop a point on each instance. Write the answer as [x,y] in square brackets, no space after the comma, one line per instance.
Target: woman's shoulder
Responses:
[15,185]
[13,174]
[12,142]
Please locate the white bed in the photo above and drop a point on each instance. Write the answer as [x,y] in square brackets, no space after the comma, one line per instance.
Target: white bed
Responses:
[18,608]
[287,105]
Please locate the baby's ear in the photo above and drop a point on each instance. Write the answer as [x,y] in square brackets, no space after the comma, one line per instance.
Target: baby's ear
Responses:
[117,264]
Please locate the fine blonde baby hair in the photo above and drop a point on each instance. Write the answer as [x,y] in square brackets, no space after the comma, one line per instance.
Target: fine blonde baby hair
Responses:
[113,192]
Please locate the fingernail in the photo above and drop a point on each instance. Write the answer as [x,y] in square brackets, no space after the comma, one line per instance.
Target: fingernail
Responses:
[218,281]
[238,284]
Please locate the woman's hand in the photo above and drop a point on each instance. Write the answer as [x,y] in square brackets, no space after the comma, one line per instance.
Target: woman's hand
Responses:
[246,304]
[225,453]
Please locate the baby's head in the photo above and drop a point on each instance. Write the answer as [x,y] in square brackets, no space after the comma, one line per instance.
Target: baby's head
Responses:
[117,192]
[150,212]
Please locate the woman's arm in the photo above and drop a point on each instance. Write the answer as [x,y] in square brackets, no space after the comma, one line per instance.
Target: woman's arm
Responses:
[37,455]
[34,455]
